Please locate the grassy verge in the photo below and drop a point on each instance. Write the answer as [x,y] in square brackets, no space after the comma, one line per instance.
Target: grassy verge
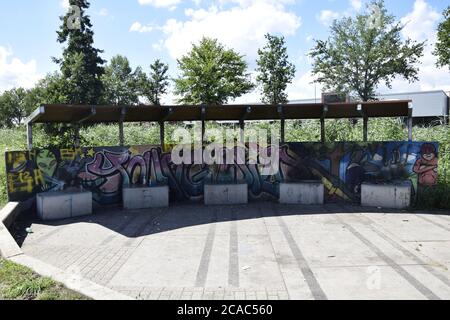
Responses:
[20,283]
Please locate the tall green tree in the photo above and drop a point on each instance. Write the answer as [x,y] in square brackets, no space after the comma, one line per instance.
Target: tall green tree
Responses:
[14,107]
[156,84]
[120,82]
[442,50]
[364,52]
[275,71]
[52,89]
[81,64]
[212,74]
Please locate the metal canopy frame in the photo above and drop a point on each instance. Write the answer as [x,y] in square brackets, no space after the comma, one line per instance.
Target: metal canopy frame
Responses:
[88,114]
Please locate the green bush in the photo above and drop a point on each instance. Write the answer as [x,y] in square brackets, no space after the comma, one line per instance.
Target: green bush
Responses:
[436,197]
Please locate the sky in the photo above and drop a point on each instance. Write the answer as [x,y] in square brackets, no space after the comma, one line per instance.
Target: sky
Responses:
[145,30]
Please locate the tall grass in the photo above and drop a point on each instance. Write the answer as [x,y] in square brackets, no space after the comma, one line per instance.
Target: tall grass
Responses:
[10,139]
[302,131]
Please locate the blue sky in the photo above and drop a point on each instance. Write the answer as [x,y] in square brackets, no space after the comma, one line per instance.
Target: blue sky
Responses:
[144,30]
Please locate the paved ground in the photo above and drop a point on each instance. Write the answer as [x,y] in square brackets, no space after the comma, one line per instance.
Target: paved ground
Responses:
[260,251]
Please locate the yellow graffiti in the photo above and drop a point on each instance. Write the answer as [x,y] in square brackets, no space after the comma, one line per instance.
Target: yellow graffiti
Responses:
[69,154]
[38,177]
[168,147]
[332,190]
[16,160]
[20,182]
[329,186]
[134,151]
[90,153]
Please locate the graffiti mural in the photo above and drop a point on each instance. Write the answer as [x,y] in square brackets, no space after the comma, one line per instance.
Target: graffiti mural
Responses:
[342,167]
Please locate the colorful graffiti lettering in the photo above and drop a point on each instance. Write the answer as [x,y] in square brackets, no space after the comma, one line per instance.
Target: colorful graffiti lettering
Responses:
[342,167]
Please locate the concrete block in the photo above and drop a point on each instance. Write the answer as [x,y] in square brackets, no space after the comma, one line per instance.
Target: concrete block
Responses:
[63,204]
[145,197]
[8,245]
[9,213]
[225,194]
[304,192]
[391,196]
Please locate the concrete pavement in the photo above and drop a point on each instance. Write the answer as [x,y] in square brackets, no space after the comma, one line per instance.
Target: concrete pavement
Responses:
[262,250]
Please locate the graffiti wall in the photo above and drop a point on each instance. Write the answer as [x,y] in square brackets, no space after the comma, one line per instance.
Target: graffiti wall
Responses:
[342,167]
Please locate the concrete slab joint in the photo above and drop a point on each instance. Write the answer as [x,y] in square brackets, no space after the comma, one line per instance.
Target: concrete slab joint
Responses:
[302,192]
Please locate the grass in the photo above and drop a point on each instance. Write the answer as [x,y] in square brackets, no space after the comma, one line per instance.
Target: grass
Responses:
[383,129]
[9,140]
[20,283]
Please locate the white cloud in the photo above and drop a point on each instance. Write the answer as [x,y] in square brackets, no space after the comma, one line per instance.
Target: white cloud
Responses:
[421,25]
[160,3]
[65,4]
[158,46]
[241,27]
[303,87]
[138,27]
[326,17]
[198,14]
[247,3]
[14,72]
[356,4]
[103,12]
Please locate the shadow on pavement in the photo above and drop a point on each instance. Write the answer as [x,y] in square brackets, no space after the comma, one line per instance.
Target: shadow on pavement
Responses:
[138,223]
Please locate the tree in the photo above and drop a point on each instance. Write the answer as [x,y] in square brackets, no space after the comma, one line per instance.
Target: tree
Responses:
[442,50]
[14,107]
[275,70]
[52,89]
[81,68]
[120,82]
[17,104]
[81,65]
[211,74]
[154,86]
[365,51]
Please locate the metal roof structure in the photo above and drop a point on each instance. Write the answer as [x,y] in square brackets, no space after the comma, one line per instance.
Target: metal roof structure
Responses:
[53,113]
[87,114]
[427,104]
